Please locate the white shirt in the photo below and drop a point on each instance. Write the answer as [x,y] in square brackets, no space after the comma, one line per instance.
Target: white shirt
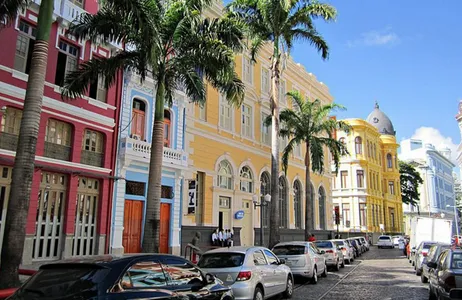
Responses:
[220,236]
[214,236]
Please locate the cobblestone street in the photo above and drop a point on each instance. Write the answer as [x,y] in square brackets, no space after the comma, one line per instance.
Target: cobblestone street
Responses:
[377,274]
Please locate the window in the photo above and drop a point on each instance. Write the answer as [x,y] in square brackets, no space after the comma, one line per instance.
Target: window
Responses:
[368,149]
[283,141]
[224,202]
[265,130]
[265,189]
[389,161]
[391,185]
[265,80]
[322,208]
[270,257]
[181,274]
[202,111]
[246,124]
[358,145]
[167,129]
[67,61]
[11,120]
[282,91]
[343,179]
[144,275]
[79,3]
[282,202]
[58,132]
[225,177]
[98,89]
[225,114]
[166,192]
[346,214]
[138,119]
[200,194]
[24,47]
[246,180]
[392,217]
[259,258]
[135,188]
[248,70]
[360,178]
[375,151]
[92,141]
[362,214]
[298,150]
[298,204]
[373,215]
[295,106]
[221,260]
[312,200]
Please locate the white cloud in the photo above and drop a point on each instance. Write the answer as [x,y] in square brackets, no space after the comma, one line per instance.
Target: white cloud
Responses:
[376,38]
[433,136]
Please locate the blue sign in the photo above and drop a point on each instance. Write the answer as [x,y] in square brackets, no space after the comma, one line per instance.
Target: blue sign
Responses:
[239,215]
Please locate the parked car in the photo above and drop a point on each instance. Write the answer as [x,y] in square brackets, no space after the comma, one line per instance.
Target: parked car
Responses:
[355,246]
[347,250]
[333,254]
[432,256]
[445,280]
[251,272]
[396,239]
[365,243]
[304,259]
[385,241]
[143,276]
[420,253]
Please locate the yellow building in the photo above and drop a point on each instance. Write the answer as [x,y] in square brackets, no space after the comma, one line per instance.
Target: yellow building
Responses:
[229,159]
[367,188]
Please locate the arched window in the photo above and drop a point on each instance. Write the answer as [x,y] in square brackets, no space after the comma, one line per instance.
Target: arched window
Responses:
[313,206]
[389,161]
[225,175]
[265,189]
[138,119]
[322,208]
[282,202]
[298,204]
[358,145]
[167,128]
[246,180]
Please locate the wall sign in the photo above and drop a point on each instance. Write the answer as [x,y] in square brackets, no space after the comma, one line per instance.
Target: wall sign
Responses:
[192,197]
[239,215]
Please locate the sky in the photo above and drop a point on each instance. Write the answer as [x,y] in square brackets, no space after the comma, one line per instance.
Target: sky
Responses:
[404,54]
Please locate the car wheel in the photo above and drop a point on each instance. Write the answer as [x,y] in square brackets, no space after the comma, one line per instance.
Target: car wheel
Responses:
[258,295]
[423,279]
[413,263]
[289,292]
[343,264]
[337,266]
[324,274]
[418,272]
[314,279]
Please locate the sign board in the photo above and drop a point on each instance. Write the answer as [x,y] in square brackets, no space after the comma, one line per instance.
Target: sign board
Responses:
[239,215]
[192,194]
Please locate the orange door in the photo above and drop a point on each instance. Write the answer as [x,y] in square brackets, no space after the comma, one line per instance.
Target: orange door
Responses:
[164,227]
[138,121]
[166,133]
[133,221]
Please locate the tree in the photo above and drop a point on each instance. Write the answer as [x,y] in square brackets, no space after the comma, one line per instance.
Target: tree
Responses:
[410,180]
[23,169]
[310,124]
[172,42]
[279,23]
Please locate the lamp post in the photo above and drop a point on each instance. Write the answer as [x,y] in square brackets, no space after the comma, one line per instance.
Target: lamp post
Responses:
[455,219]
[266,200]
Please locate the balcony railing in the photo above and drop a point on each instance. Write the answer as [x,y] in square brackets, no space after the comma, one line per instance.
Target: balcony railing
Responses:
[57,151]
[142,150]
[8,141]
[91,158]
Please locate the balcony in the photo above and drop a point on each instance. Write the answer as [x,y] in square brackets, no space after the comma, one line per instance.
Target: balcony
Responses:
[57,151]
[142,150]
[91,158]
[8,141]
[70,11]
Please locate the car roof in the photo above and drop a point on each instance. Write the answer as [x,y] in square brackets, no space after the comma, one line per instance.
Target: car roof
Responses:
[239,249]
[301,243]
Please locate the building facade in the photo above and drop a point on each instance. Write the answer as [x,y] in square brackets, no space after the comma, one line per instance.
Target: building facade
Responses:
[229,158]
[71,193]
[437,194]
[136,123]
[367,187]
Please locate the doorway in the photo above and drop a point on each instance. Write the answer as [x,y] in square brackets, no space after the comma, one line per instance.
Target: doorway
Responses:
[164,227]
[247,224]
[133,221]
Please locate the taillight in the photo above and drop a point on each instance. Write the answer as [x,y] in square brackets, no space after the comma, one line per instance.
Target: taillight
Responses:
[424,254]
[450,281]
[329,251]
[243,276]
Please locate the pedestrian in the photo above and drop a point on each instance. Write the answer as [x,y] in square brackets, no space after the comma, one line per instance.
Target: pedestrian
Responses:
[311,238]
[215,238]
[221,238]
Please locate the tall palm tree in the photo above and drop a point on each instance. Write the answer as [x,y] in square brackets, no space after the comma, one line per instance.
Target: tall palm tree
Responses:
[279,23]
[310,124]
[23,170]
[175,45]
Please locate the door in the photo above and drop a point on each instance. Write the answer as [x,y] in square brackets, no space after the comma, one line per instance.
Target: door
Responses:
[133,221]
[247,226]
[164,227]
[138,121]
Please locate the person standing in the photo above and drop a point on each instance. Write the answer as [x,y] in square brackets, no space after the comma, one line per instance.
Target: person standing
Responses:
[311,238]
[215,240]
[221,237]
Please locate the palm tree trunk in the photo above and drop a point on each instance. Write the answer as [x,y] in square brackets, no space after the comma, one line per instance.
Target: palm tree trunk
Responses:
[151,237]
[308,200]
[274,235]
[23,171]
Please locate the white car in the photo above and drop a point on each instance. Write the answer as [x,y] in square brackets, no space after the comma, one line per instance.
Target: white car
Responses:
[396,239]
[385,241]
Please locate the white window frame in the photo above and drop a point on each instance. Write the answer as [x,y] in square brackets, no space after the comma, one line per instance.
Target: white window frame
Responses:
[247,64]
[29,35]
[226,122]
[282,91]
[265,88]
[265,138]
[247,129]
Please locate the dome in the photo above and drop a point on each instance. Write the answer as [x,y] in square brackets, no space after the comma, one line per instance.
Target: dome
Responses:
[379,120]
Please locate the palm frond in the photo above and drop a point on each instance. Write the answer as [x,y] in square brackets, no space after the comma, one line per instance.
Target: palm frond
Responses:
[286,154]
[9,10]
[321,10]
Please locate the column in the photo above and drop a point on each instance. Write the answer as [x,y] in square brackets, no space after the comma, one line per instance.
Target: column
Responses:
[117,221]
[69,216]
[31,217]
[104,206]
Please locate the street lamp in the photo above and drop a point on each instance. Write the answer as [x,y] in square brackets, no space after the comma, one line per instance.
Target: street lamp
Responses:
[455,218]
[266,200]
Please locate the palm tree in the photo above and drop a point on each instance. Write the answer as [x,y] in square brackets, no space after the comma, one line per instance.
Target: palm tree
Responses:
[172,42]
[279,23]
[23,170]
[310,124]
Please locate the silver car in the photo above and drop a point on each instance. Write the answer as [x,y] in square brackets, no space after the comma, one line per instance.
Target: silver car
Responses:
[347,250]
[303,258]
[333,254]
[254,273]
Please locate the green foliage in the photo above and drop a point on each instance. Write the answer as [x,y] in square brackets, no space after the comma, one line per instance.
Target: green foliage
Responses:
[9,9]
[409,180]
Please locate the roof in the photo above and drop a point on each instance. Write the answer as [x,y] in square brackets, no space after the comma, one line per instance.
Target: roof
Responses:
[381,121]
[292,243]
[241,249]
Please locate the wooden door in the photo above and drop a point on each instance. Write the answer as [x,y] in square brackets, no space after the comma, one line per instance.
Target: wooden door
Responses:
[167,133]
[133,221]
[164,227]
[138,121]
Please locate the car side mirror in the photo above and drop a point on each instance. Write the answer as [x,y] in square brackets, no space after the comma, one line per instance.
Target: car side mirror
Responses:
[282,261]
[431,264]
[209,278]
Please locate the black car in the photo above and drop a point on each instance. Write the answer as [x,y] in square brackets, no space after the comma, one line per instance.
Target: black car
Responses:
[432,256]
[142,276]
[445,275]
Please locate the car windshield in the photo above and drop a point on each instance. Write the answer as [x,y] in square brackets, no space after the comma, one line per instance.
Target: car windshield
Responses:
[289,250]
[384,238]
[427,246]
[324,244]
[339,243]
[221,260]
[63,282]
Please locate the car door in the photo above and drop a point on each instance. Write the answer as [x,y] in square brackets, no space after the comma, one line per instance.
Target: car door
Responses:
[264,271]
[434,274]
[279,273]
[318,259]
